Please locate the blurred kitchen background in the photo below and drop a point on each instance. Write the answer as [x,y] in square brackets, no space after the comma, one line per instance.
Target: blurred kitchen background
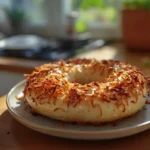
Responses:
[62,26]
[55,18]
[33,32]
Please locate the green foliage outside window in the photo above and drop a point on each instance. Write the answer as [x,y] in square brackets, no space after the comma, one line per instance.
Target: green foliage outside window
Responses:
[137,4]
[93,11]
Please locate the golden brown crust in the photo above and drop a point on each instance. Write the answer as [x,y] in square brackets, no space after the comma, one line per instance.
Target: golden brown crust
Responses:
[49,84]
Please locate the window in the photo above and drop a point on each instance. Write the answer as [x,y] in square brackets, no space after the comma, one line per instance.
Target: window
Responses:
[50,17]
[100,17]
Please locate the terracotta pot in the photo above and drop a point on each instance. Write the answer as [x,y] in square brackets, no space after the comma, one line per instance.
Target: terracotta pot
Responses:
[136,29]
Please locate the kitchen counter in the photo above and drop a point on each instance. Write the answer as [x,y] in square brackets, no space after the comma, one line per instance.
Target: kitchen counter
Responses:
[115,51]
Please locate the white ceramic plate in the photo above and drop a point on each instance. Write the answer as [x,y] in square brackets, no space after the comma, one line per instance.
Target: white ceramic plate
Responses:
[132,125]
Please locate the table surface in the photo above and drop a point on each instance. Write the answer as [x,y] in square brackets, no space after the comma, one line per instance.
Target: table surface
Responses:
[15,136]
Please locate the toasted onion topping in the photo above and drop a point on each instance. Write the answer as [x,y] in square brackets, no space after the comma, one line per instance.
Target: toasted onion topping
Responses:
[53,81]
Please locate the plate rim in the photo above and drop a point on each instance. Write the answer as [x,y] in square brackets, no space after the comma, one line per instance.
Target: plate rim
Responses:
[60,130]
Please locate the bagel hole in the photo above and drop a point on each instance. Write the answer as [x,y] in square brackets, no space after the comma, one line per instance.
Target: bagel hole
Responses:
[86,77]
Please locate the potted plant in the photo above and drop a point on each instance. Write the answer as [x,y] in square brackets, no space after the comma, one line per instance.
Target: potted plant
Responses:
[136,24]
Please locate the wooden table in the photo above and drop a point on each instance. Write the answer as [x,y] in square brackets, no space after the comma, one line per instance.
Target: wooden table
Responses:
[15,136]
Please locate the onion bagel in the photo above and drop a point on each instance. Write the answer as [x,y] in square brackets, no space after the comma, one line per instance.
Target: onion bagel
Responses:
[86,90]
